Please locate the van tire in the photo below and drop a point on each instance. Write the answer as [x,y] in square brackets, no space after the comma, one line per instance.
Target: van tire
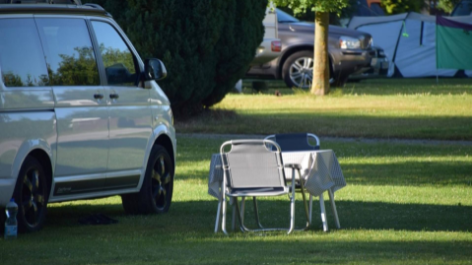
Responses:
[155,195]
[31,196]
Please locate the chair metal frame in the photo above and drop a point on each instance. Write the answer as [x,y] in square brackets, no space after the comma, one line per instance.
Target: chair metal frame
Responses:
[273,137]
[234,193]
[330,191]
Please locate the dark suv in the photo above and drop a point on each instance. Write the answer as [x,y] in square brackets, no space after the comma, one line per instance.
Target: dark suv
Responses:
[350,51]
[81,115]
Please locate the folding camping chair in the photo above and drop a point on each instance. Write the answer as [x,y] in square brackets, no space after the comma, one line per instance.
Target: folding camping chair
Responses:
[251,169]
[295,142]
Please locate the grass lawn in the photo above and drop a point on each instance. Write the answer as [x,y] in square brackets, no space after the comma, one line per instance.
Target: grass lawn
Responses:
[404,204]
[382,108]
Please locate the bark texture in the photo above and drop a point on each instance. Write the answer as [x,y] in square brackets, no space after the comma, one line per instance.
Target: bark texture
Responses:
[320,84]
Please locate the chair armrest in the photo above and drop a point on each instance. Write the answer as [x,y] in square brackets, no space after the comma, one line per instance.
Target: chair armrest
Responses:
[293,165]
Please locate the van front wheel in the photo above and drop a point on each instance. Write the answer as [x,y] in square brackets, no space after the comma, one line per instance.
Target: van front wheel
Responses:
[155,195]
[31,195]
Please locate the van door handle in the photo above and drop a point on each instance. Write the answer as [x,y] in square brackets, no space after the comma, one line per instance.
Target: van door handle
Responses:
[114,96]
[98,96]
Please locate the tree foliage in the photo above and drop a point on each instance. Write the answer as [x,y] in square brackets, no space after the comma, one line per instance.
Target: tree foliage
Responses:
[75,70]
[206,45]
[301,6]
[402,6]
[447,5]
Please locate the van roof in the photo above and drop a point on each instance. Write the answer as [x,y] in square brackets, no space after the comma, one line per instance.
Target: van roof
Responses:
[52,8]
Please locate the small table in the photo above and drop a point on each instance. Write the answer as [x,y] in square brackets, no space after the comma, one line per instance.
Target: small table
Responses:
[320,172]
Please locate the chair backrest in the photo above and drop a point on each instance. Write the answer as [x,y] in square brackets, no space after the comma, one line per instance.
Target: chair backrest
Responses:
[295,141]
[250,164]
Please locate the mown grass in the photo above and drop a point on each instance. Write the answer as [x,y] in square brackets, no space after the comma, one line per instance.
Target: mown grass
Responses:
[393,108]
[404,204]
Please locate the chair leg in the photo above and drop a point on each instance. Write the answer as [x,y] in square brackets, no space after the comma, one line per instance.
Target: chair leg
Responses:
[311,208]
[223,216]
[323,214]
[292,204]
[306,207]
[218,213]
[256,212]
[240,215]
[241,212]
[233,219]
[307,213]
[333,206]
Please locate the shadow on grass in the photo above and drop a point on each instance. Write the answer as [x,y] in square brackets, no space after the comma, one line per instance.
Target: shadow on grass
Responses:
[199,216]
[372,233]
[336,124]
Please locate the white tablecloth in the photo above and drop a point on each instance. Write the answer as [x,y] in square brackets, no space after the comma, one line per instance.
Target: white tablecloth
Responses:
[320,171]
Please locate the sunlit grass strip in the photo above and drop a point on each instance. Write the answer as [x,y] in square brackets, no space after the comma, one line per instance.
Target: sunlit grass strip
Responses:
[394,108]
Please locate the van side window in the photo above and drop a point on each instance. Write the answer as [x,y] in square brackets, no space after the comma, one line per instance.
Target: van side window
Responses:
[19,43]
[119,62]
[69,52]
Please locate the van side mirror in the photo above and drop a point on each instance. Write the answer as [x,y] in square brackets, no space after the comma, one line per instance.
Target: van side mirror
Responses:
[154,69]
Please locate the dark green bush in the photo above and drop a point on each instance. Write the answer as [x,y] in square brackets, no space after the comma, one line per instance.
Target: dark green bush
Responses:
[206,45]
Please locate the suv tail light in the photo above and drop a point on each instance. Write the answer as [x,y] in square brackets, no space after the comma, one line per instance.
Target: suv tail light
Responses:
[276,46]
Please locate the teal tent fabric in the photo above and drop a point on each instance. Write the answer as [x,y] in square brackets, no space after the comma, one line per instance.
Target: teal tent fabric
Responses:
[453,44]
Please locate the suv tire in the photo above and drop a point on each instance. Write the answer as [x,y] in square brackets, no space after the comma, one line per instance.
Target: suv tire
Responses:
[297,68]
[31,195]
[156,191]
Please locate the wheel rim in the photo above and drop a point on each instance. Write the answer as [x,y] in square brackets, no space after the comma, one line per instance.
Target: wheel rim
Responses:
[161,182]
[32,197]
[301,72]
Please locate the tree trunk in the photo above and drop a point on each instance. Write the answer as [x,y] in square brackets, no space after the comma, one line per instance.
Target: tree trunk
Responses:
[320,84]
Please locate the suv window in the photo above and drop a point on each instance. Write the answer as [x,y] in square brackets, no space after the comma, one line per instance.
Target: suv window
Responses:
[19,44]
[69,52]
[464,8]
[120,64]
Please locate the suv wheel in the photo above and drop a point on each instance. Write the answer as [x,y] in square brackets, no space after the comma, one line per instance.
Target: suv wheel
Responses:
[156,192]
[297,70]
[31,195]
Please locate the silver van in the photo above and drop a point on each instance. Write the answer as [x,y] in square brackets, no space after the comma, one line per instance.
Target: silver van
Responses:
[81,115]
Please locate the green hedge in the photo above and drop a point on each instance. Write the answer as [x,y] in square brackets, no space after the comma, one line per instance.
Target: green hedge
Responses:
[206,45]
